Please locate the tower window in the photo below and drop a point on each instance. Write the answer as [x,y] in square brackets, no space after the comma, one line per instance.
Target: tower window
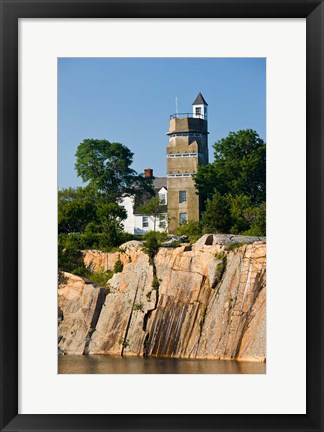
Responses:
[198,111]
[182,196]
[145,222]
[183,217]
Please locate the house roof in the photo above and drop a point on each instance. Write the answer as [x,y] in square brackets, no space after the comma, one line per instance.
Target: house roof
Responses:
[200,100]
[159,182]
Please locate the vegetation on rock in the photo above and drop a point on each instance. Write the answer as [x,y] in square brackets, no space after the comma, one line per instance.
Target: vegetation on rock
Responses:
[221,266]
[152,242]
[193,230]
[155,283]
[233,246]
[118,267]
[138,307]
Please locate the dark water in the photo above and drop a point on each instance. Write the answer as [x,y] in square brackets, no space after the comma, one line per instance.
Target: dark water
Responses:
[100,364]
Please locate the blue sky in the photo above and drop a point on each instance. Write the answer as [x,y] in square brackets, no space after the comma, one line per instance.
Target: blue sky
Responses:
[129,100]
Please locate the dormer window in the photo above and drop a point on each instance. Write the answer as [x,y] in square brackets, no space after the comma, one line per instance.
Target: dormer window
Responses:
[162,199]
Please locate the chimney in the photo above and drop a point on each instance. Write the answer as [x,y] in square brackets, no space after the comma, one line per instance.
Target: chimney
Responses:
[148,173]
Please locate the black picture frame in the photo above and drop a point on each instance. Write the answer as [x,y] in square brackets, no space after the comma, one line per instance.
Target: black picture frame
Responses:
[11,11]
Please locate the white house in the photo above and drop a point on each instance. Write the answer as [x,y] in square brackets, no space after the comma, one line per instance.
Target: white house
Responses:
[137,223]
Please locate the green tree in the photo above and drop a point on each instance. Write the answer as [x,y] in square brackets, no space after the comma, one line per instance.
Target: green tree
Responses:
[257,218]
[238,207]
[217,217]
[69,256]
[107,168]
[112,234]
[110,211]
[235,215]
[234,185]
[76,208]
[239,167]
[153,208]
[91,217]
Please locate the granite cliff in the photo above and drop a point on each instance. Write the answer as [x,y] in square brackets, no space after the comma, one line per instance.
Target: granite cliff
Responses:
[207,300]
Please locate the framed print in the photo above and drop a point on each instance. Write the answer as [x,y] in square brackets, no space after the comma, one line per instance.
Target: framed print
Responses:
[141,286]
[69,71]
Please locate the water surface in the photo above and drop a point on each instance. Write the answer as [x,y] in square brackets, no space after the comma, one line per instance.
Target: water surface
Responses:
[101,364]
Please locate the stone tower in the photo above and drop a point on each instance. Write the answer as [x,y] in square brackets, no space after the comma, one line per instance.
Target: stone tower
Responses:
[188,147]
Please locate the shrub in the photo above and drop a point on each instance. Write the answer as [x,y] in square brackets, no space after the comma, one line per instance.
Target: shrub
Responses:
[111,234]
[221,266]
[233,246]
[220,255]
[153,241]
[69,256]
[80,271]
[118,267]
[193,230]
[125,237]
[138,307]
[148,296]
[100,278]
[155,283]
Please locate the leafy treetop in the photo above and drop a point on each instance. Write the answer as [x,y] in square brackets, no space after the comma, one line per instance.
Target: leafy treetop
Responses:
[107,168]
[239,167]
[233,187]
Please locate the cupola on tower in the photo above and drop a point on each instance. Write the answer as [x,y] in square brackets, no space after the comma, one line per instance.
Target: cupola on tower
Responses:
[188,147]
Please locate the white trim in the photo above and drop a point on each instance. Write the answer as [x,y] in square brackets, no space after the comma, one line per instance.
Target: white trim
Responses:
[187,134]
[174,155]
[181,175]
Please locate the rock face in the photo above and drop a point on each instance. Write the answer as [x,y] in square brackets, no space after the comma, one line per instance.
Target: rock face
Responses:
[79,304]
[97,260]
[120,325]
[202,301]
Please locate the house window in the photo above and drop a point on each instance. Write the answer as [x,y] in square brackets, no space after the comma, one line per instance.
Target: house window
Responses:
[145,222]
[183,218]
[198,111]
[162,221]
[162,198]
[182,196]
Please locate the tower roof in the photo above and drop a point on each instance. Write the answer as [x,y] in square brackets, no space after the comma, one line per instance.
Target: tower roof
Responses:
[200,100]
